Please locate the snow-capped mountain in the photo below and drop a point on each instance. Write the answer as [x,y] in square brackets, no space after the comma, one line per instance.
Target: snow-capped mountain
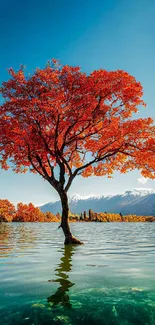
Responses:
[139,201]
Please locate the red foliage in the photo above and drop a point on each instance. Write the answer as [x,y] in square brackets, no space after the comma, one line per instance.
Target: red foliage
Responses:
[82,123]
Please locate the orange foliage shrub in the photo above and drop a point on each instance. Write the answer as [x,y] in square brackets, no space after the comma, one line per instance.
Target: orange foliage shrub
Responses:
[27,213]
[7,210]
[114,217]
[49,217]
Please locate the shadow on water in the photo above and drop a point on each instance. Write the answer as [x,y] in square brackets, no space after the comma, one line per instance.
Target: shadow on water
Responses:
[61,296]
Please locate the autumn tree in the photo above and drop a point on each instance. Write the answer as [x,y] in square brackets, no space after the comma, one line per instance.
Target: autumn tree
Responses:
[50,217]
[61,118]
[28,213]
[7,211]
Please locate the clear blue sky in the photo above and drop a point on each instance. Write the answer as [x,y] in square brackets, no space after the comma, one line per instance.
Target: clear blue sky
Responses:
[110,34]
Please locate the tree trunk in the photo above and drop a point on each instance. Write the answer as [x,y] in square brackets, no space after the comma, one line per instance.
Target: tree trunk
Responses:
[69,238]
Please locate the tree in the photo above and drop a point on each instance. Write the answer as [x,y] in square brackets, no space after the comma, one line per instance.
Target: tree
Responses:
[28,213]
[61,118]
[7,211]
[50,217]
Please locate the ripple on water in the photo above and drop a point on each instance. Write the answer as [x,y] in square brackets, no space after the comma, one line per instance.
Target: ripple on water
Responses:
[109,280]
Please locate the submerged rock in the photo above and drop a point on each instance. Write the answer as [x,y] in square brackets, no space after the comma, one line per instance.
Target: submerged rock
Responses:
[76,304]
[62,319]
[136,289]
[38,305]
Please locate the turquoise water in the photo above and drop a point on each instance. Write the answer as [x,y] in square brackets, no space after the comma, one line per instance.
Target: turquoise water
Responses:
[109,280]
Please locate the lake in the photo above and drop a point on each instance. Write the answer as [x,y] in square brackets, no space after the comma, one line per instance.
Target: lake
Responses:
[109,280]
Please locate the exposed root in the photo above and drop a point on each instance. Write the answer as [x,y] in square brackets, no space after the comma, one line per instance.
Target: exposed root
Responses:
[72,240]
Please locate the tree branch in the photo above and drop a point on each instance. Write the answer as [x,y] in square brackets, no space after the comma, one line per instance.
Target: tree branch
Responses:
[62,172]
[95,160]
[69,182]
[31,161]
[56,134]
[45,142]
[42,167]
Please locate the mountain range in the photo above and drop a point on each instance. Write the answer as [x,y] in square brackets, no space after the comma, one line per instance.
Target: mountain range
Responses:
[138,201]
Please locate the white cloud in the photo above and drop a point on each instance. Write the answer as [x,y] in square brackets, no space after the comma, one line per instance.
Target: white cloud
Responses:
[142,180]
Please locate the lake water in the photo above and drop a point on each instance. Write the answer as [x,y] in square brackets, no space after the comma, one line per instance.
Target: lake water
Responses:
[109,280]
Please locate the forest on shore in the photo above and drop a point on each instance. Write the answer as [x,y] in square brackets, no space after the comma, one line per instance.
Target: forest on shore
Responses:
[30,213]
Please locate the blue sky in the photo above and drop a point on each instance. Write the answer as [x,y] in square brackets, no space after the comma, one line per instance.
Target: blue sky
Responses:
[93,34]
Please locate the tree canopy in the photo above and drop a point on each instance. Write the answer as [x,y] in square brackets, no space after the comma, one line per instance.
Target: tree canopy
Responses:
[59,115]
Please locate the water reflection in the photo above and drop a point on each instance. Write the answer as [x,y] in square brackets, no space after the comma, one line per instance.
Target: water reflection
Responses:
[61,296]
[16,239]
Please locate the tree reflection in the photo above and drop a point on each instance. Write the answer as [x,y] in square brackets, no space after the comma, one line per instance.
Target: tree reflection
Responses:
[16,238]
[61,296]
